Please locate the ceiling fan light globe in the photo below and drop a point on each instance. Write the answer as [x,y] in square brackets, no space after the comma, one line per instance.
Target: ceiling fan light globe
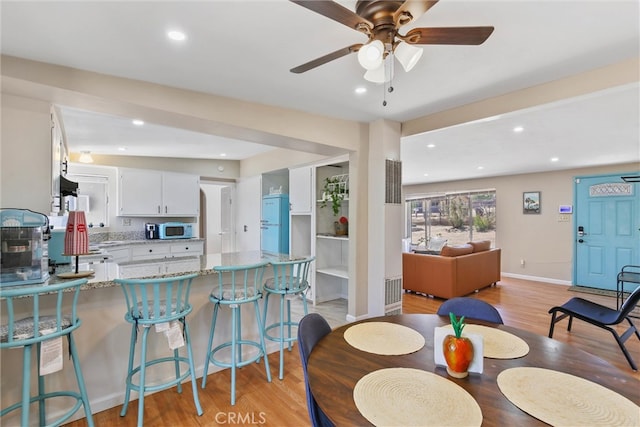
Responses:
[408,55]
[370,55]
[377,75]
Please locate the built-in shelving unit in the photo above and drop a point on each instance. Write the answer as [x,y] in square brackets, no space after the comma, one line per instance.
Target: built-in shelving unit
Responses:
[312,228]
[332,251]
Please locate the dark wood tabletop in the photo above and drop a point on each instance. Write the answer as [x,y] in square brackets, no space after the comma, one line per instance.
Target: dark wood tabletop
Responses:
[335,367]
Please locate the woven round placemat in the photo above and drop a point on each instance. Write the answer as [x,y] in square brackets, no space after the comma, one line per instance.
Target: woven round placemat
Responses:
[384,338]
[498,344]
[561,399]
[412,397]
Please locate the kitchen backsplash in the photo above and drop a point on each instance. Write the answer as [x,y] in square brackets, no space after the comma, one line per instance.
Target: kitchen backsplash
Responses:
[97,236]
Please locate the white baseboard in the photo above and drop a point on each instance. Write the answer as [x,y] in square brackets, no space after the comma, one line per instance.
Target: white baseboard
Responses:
[538,279]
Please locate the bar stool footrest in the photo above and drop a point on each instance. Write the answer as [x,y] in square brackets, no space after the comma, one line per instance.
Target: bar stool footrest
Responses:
[60,420]
[164,385]
[239,364]
[292,338]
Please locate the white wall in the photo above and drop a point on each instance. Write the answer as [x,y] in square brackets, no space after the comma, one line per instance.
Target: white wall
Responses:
[25,154]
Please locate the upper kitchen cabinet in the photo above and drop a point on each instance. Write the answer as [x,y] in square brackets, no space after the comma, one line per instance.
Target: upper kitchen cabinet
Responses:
[157,194]
[300,194]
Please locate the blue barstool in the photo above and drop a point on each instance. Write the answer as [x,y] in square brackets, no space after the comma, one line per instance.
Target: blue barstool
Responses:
[49,325]
[290,279]
[153,302]
[243,285]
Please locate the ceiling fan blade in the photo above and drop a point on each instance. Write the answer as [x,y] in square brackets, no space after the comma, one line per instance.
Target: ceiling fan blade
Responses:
[334,11]
[326,58]
[449,35]
[415,8]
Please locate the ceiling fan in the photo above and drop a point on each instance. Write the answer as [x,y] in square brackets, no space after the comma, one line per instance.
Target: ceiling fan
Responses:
[380,21]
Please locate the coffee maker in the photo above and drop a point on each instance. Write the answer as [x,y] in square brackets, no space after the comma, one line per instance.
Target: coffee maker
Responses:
[23,255]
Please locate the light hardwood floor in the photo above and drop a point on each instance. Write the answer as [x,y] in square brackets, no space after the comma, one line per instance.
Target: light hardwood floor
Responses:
[522,304]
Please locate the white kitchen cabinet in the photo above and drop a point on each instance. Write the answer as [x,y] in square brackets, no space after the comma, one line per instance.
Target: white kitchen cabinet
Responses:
[186,248]
[119,255]
[180,194]
[150,251]
[155,193]
[300,190]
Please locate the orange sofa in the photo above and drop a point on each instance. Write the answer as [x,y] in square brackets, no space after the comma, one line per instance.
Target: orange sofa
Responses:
[457,271]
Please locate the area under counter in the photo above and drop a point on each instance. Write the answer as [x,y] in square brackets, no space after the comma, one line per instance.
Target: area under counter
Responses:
[104,333]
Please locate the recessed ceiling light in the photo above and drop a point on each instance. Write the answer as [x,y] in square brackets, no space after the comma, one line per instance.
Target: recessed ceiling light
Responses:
[554,159]
[431,145]
[137,122]
[122,149]
[223,154]
[176,35]
[426,174]
[518,129]
[480,168]
[360,90]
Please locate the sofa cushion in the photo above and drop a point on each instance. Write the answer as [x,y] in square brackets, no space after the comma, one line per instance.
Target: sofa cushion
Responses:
[452,251]
[481,245]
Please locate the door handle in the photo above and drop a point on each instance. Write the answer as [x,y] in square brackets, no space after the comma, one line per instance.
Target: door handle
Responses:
[580,240]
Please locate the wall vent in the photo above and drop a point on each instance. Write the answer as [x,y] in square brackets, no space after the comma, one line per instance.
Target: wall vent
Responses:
[393,182]
[393,295]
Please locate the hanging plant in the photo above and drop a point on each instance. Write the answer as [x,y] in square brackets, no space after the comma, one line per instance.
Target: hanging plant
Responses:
[333,193]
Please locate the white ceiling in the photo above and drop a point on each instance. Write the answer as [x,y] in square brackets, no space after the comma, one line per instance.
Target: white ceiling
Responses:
[244,49]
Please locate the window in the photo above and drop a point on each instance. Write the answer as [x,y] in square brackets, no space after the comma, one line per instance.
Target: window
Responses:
[456,217]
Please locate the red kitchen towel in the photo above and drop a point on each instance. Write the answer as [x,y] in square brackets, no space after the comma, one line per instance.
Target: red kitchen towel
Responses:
[76,237]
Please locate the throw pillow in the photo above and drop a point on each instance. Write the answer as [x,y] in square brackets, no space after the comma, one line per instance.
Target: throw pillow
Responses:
[481,246]
[452,251]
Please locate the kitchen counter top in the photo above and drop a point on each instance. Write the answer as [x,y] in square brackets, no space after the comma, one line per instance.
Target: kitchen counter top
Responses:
[107,271]
[118,243]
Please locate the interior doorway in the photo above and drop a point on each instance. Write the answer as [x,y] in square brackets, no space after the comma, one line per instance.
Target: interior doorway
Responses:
[217,216]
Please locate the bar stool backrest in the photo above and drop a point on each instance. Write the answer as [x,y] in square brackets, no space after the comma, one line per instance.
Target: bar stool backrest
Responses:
[290,276]
[151,301]
[243,283]
[52,322]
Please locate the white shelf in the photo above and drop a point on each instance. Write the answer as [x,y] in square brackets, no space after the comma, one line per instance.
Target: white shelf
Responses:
[336,271]
[331,237]
[346,199]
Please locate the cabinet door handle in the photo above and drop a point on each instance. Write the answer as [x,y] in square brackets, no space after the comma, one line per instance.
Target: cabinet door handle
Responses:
[165,209]
[158,208]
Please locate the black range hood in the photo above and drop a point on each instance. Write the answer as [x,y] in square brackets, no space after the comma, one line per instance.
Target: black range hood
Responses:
[68,188]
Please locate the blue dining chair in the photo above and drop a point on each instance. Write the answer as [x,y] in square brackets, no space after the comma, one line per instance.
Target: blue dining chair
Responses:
[42,325]
[311,329]
[290,279]
[470,308]
[236,286]
[152,302]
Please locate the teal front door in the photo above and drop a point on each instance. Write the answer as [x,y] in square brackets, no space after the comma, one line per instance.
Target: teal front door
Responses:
[607,229]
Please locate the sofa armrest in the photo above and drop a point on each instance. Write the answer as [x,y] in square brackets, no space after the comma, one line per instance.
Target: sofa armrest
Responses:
[429,274]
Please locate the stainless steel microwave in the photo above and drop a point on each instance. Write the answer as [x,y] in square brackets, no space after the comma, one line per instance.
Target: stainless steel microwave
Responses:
[175,230]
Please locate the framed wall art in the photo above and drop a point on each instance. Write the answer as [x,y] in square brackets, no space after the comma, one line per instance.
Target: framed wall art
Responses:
[531,202]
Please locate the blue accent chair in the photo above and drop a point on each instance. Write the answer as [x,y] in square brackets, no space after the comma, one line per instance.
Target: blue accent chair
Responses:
[237,285]
[290,279]
[311,329]
[49,324]
[153,302]
[470,308]
[600,316]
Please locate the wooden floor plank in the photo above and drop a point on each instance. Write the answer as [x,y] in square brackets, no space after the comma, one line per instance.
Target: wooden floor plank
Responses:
[522,304]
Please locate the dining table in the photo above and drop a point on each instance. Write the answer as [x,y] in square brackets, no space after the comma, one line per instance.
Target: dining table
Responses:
[335,368]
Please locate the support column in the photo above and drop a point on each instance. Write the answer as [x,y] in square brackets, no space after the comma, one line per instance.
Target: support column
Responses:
[385,219]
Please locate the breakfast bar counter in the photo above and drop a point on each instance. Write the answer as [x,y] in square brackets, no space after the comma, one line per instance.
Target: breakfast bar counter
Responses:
[104,333]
